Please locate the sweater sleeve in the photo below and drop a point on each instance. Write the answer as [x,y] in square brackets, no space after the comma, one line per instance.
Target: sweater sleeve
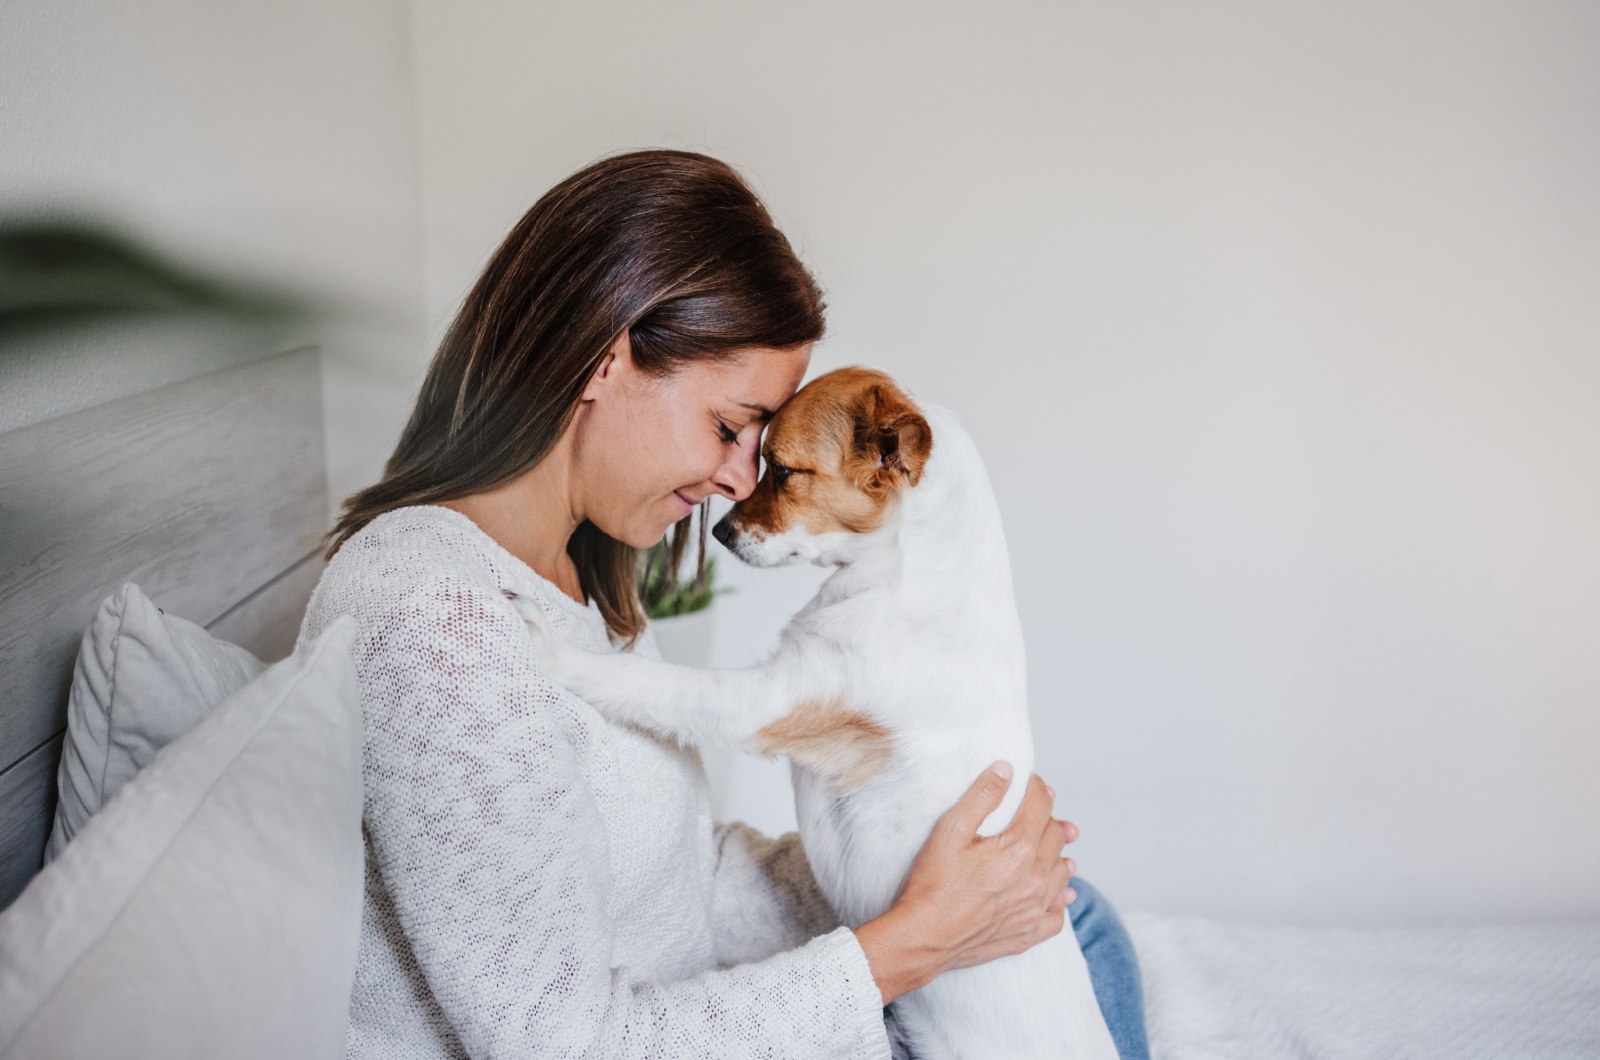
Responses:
[764,898]
[490,845]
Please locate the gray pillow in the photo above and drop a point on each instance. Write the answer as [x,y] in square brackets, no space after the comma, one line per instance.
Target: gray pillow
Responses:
[213,908]
[143,678]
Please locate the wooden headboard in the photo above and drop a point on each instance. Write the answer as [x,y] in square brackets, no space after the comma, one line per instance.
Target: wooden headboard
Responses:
[209,492]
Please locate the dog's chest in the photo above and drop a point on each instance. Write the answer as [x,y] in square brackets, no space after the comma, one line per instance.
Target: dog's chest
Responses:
[951,710]
[857,850]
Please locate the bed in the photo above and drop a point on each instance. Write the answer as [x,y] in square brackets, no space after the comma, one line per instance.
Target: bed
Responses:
[202,480]
[1221,990]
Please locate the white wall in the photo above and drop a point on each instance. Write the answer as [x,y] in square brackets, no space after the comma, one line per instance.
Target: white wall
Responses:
[1278,327]
[272,142]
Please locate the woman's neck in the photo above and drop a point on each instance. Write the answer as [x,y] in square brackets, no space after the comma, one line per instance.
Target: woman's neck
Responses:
[532,517]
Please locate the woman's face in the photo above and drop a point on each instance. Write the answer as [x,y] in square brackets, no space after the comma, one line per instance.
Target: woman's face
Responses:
[648,449]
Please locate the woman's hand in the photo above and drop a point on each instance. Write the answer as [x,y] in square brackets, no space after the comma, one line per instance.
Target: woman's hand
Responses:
[971,898]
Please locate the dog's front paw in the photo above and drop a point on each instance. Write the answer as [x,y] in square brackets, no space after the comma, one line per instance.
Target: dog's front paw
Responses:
[560,662]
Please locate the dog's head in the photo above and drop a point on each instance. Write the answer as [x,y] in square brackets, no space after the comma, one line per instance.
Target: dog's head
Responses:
[838,454]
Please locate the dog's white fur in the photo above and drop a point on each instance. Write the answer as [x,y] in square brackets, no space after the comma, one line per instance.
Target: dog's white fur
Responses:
[916,629]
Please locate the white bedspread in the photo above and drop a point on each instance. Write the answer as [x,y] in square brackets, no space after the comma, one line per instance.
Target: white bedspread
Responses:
[1223,990]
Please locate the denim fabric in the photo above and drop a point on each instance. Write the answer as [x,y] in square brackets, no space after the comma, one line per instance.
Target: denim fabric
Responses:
[1113,968]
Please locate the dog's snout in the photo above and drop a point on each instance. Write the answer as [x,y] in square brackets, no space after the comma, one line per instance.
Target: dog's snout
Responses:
[724,530]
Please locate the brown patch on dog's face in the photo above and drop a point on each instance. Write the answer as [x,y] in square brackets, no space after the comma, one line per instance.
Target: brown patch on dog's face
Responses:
[838,454]
[826,736]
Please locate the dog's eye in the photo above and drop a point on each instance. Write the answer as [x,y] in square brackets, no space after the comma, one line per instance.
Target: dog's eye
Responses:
[780,474]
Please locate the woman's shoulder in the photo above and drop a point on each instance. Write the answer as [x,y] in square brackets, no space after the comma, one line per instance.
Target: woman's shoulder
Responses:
[400,560]
[410,544]
[427,560]
[442,658]
[420,537]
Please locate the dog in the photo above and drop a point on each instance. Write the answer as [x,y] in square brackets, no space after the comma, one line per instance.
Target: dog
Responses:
[897,684]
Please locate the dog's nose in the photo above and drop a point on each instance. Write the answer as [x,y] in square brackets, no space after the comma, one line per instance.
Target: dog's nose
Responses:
[724,530]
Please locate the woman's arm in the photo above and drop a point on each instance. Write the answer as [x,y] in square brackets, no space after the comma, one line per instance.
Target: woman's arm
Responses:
[488,842]
[764,899]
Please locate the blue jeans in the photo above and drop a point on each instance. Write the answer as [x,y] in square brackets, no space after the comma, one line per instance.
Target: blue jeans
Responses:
[1113,968]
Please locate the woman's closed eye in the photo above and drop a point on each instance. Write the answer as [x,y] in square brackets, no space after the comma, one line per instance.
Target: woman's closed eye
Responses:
[726,433]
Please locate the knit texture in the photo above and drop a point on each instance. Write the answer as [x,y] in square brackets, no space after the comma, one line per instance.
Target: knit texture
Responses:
[541,882]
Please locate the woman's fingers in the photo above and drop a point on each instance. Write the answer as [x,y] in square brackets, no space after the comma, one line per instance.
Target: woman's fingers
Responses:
[1050,859]
[1060,873]
[1062,900]
[1072,829]
[1052,841]
[986,898]
[1034,813]
[1056,885]
[982,799]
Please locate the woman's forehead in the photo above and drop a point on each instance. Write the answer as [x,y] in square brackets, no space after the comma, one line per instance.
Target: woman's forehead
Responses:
[758,380]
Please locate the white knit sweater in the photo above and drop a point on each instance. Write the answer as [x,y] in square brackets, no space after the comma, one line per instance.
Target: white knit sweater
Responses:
[540,881]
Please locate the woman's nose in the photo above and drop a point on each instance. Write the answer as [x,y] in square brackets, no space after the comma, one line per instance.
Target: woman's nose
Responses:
[736,478]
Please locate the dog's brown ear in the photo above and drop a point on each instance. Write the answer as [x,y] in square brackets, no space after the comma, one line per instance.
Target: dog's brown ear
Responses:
[894,435]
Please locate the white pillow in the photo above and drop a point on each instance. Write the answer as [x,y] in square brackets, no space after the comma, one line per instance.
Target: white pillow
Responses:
[212,908]
[142,679]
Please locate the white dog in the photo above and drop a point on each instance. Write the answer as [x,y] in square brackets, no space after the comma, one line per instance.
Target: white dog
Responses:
[896,686]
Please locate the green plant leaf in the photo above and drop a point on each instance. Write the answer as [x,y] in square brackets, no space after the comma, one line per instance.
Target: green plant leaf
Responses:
[665,597]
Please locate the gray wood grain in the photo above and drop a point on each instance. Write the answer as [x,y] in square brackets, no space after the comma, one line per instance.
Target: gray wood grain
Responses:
[268,620]
[201,492]
[27,805]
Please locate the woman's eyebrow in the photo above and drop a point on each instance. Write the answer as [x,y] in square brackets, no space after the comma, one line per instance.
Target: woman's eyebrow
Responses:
[762,412]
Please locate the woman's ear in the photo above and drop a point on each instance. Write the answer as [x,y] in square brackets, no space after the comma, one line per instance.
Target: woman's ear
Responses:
[605,376]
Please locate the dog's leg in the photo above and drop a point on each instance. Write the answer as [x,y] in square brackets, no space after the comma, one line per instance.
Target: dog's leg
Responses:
[790,705]
[712,706]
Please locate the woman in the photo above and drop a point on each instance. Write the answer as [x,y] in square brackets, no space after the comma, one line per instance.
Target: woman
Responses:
[541,882]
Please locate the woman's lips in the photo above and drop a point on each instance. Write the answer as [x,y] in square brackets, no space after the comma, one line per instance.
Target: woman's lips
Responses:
[688,505]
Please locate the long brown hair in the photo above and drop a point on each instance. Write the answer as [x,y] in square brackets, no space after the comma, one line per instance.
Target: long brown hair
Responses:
[671,247]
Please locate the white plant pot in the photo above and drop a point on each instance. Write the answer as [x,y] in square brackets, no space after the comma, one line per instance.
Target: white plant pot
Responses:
[685,639]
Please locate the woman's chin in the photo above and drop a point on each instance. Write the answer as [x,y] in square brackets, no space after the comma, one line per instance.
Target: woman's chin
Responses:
[644,536]
[647,527]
